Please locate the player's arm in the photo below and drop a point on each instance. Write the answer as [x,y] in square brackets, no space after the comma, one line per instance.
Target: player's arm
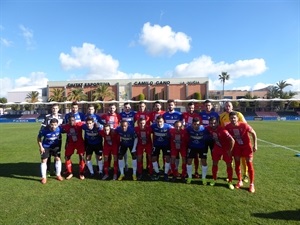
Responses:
[254,139]
[231,143]
[39,141]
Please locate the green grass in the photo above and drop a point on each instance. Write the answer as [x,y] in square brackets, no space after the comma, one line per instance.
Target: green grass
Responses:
[25,201]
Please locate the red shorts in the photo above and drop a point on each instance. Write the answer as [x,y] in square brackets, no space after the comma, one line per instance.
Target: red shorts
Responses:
[110,149]
[217,153]
[140,149]
[242,151]
[175,152]
[70,148]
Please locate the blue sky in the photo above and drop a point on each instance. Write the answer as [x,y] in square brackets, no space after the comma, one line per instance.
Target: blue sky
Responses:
[256,42]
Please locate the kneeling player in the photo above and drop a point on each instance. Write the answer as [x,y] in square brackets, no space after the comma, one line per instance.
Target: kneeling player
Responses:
[50,145]
[223,146]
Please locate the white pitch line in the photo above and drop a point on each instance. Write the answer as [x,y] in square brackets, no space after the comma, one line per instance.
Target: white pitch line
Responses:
[276,145]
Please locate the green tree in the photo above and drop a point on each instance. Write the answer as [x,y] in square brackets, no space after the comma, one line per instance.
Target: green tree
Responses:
[3,100]
[197,96]
[280,86]
[57,95]
[32,96]
[103,92]
[223,77]
[141,97]
[77,95]
[272,92]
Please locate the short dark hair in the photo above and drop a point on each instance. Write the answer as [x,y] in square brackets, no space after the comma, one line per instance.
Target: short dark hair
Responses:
[233,113]
[170,101]
[191,103]
[89,118]
[207,101]
[159,117]
[54,120]
[212,118]
[196,119]
[74,103]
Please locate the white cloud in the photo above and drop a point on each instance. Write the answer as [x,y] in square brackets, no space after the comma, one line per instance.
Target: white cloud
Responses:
[163,41]
[295,84]
[27,35]
[98,64]
[34,79]
[5,85]
[260,86]
[5,42]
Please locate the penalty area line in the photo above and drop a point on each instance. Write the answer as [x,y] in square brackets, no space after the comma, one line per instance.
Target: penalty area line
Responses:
[280,146]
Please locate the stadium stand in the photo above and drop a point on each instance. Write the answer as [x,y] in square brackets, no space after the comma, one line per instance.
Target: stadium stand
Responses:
[266,114]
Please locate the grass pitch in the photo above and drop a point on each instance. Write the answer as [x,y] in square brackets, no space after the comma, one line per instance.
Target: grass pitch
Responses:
[24,200]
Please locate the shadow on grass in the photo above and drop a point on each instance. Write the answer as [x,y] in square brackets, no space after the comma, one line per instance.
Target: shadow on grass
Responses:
[20,170]
[293,215]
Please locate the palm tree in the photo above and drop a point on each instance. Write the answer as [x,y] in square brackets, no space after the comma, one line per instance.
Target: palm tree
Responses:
[32,96]
[272,92]
[3,100]
[280,86]
[223,77]
[102,92]
[58,95]
[77,95]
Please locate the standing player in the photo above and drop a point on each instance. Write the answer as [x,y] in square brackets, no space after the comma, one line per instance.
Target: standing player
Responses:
[178,139]
[224,143]
[142,113]
[111,143]
[79,116]
[171,115]
[144,144]
[74,141]
[49,144]
[112,118]
[54,114]
[161,141]
[93,143]
[198,135]
[156,112]
[243,148]
[91,113]
[128,140]
[224,120]
[128,114]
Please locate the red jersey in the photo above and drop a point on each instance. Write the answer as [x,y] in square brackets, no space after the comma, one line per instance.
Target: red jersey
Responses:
[178,138]
[74,133]
[221,137]
[112,119]
[188,118]
[144,136]
[112,139]
[155,114]
[240,134]
[144,115]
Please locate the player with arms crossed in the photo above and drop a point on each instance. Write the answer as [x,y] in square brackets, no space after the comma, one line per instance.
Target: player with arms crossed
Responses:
[48,141]
[223,146]
[243,147]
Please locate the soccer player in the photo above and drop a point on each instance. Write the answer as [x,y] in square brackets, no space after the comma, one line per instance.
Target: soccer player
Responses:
[188,117]
[128,140]
[112,117]
[243,147]
[91,113]
[161,141]
[171,116]
[93,143]
[54,114]
[224,120]
[79,116]
[111,143]
[178,140]
[48,141]
[224,143]
[157,110]
[142,113]
[198,135]
[144,144]
[128,114]
[74,141]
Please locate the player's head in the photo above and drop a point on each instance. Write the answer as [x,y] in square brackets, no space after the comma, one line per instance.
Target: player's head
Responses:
[91,109]
[142,123]
[55,109]
[178,125]
[157,106]
[171,105]
[106,128]
[208,105]
[89,122]
[213,122]
[127,107]
[233,118]
[228,107]
[142,106]
[160,121]
[71,120]
[191,107]
[75,107]
[124,125]
[112,108]
[196,123]
[53,124]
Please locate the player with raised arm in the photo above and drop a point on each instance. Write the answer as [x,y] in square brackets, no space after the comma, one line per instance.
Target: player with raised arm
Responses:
[224,143]
[243,147]
[48,141]
[93,143]
[198,136]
